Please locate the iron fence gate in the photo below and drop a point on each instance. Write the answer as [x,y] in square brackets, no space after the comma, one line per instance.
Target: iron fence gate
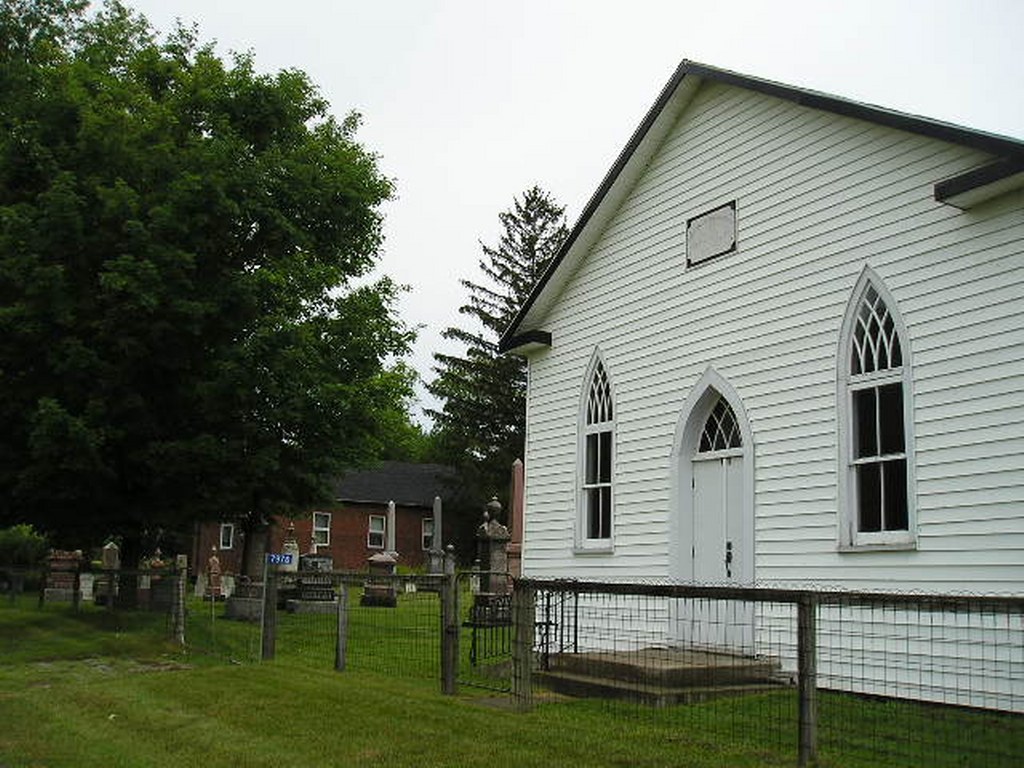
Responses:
[485,633]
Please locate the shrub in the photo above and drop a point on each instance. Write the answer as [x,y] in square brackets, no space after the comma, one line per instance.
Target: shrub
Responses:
[21,545]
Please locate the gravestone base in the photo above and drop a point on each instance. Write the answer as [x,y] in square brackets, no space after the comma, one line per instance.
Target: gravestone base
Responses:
[287,589]
[161,595]
[243,608]
[311,606]
[381,592]
[58,595]
[379,597]
[246,603]
[314,588]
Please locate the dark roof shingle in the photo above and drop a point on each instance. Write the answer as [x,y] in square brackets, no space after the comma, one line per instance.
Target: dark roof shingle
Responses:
[404,483]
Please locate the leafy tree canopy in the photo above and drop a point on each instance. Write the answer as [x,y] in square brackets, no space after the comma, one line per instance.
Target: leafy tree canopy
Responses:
[481,423]
[187,325]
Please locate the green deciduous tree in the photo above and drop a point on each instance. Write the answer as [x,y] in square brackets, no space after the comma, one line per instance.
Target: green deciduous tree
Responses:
[21,545]
[187,329]
[480,424]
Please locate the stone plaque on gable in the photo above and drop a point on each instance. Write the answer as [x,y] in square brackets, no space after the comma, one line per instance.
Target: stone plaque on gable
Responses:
[711,234]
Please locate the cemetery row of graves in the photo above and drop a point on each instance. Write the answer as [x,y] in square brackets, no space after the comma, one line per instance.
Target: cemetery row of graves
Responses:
[299,606]
[483,630]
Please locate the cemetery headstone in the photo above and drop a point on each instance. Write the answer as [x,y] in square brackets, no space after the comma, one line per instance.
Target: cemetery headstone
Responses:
[62,576]
[105,587]
[391,531]
[111,556]
[287,586]
[515,546]
[290,547]
[492,603]
[435,555]
[161,583]
[86,582]
[246,602]
[213,577]
[379,589]
[492,542]
[314,591]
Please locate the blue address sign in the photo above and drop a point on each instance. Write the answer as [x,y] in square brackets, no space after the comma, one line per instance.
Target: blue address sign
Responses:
[278,558]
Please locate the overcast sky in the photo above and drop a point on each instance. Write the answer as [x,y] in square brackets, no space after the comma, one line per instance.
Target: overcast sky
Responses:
[470,102]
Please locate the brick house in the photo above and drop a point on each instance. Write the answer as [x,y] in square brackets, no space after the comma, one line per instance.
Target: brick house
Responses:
[353,526]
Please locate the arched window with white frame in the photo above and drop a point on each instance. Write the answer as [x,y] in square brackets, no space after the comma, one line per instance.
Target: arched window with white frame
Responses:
[876,426]
[597,457]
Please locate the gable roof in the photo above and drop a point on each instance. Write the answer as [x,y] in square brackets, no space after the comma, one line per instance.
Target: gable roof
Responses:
[1007,172]
[405,483]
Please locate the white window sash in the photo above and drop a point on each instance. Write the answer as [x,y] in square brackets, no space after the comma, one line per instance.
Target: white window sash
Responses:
[373,531]
[323,529]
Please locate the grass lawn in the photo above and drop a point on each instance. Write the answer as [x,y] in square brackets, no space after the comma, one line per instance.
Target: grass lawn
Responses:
[90,690]
[101,689]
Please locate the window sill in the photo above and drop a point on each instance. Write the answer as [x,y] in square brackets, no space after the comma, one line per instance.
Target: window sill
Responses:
[597,548]
[879,546]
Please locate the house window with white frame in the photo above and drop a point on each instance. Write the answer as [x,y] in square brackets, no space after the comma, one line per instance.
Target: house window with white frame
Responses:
[322,528]
[227,535]
[427,531]
[376,531]
[597,460]
[875,446]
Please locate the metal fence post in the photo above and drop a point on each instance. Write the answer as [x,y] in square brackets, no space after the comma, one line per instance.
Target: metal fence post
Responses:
[449,626]
[524,613]
[269,634]
[807,683]
[341,646]
[178,603]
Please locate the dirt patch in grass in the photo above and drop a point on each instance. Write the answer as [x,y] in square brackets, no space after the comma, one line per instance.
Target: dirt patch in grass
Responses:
[46,674]
[507,703]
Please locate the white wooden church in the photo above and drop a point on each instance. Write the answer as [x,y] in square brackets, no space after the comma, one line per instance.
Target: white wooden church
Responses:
[783,345]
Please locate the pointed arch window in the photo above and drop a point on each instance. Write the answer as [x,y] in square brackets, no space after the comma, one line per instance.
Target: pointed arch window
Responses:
[875,446]
[721,430]
[597,460]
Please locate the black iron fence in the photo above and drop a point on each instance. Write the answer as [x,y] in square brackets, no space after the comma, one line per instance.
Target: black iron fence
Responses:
[856,678]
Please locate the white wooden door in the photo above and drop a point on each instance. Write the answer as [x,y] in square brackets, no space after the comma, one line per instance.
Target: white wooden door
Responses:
[720,553]
[716,532]
[714,485]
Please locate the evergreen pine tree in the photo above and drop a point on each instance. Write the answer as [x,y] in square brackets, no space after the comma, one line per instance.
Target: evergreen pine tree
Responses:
[481,422]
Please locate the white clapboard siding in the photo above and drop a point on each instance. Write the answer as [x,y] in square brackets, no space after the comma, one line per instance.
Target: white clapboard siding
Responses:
[819,197]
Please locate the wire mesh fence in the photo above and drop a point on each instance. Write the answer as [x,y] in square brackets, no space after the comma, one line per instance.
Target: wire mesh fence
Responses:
[107,603]
[399,638]
[390,624]
[485,634]
[836,677]
[210,629]
[848,679]
[922,679]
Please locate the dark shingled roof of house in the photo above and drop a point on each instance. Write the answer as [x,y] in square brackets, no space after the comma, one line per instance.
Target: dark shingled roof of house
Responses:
[402,482]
